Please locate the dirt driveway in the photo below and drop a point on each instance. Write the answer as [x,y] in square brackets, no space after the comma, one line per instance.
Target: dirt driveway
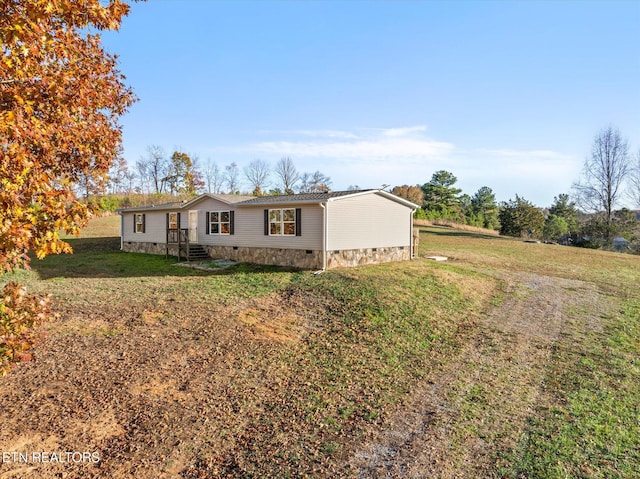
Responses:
[456,424]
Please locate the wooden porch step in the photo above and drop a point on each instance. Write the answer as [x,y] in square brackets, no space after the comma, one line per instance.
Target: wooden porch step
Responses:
[197,253]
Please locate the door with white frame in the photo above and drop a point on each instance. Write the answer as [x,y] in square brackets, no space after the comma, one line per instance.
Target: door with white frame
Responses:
[193,226]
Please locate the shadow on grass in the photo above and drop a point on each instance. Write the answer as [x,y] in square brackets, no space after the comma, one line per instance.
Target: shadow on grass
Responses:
[102,258]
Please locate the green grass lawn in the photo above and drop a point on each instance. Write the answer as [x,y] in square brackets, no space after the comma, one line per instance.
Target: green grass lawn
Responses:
[593,427]
[309,363]
[593,430]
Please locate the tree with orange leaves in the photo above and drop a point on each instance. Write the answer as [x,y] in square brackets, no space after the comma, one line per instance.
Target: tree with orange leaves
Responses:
[60,99]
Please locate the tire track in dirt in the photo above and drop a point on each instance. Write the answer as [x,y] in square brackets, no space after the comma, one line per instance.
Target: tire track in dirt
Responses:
[476,405]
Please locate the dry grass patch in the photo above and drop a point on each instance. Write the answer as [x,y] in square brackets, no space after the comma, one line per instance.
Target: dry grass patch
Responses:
[271,318]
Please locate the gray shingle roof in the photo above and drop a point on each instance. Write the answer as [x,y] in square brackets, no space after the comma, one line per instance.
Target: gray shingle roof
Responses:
[160,206]
[243,200]
[297,198]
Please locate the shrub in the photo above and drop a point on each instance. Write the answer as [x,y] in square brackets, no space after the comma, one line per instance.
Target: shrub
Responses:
[20,313]
[420,214]
[110,203]
[554,228]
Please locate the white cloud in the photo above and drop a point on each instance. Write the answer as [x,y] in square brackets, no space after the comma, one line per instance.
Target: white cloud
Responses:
[527,164]
[383,144]
[366,150]
[312,133]
[370,157]
[404,131]
[540,154]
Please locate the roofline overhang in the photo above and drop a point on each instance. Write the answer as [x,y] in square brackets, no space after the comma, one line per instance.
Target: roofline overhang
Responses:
[386,194]
[149,208]
[292,201]
[177,206]
[212,196]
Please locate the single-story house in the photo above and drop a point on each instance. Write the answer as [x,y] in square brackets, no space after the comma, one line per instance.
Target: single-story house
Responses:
[309,231]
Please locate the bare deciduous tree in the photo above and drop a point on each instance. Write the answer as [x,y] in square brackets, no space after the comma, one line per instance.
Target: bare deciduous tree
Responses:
[634,181]
[232,177]
[153,168]
[287,174]
[117,175]
[604,173]
[129,179]
[144,180]
[315,182]
[213,177]
[257,174]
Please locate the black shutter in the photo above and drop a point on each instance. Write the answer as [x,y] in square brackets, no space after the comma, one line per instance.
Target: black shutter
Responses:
[134,222]
[178,221]
[232,218]
[298,221]
[208,222]
[143,222]
[266,222]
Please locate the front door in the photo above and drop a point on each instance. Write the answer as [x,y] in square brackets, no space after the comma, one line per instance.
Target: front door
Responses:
[193,226]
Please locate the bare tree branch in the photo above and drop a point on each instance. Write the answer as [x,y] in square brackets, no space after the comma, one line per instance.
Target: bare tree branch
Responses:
[287,174]
[634,181]
[232,177]
[257,174]
[604,174]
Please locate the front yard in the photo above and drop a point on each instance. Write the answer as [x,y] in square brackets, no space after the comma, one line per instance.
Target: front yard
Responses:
[263,372]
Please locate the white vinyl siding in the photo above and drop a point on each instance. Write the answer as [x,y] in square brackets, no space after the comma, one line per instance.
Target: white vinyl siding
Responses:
[155,227]
[210,205]
[367,221]
[248,226]
[249,229]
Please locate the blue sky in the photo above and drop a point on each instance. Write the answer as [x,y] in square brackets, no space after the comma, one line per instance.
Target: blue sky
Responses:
[503,94]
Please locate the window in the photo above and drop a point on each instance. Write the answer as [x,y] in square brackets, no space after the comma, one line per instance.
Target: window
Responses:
[282,222]
[138,223]
[173,221]
[220,222]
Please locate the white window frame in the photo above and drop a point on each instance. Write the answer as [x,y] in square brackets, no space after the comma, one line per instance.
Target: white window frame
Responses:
[173,221]
[277,224]
[139,223]
[219,223]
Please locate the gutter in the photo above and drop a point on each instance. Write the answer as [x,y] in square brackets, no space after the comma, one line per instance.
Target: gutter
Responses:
[411,256]
[325,224]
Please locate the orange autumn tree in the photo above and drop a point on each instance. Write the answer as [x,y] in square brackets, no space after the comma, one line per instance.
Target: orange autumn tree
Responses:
[61,96]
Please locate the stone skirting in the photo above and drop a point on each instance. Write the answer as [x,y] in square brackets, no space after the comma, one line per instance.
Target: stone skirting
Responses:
[297,258]
[149,248]
[303,259]
[358,257]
